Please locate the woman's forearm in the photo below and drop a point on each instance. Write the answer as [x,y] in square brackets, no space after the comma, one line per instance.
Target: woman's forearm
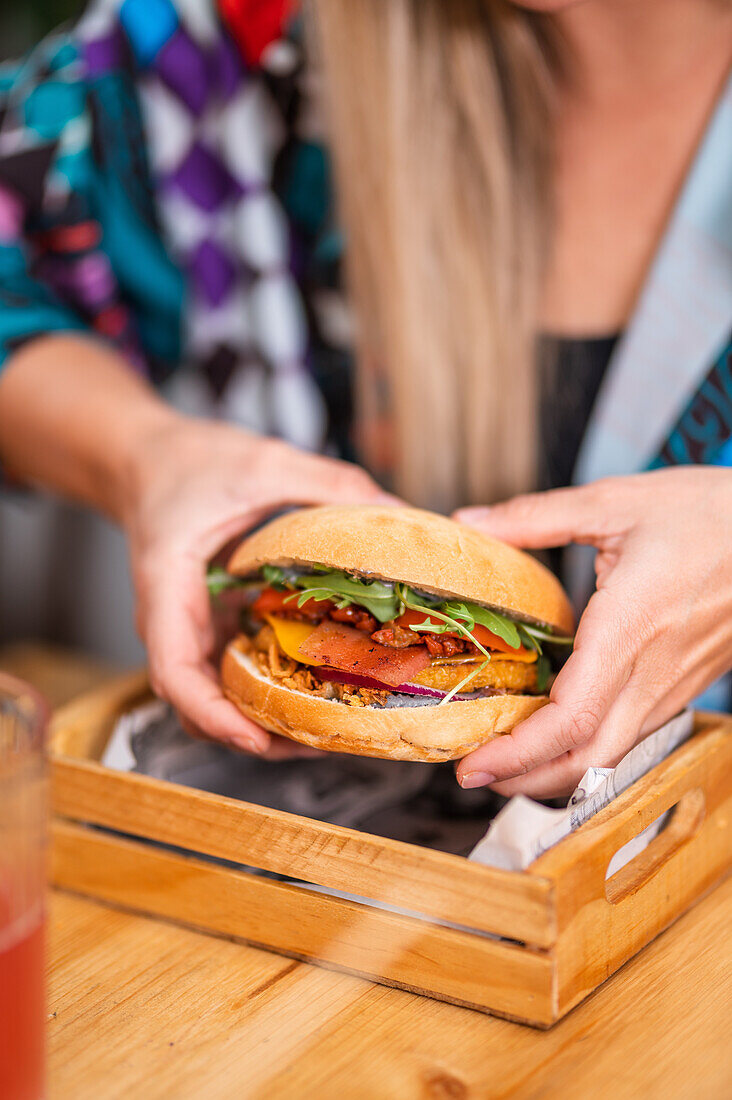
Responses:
[74,417]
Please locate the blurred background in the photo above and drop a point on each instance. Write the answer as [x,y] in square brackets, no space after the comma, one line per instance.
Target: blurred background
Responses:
[23,22]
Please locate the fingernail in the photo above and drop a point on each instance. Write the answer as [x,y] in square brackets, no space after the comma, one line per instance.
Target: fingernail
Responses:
[246,745]
[475,779]
[471,515]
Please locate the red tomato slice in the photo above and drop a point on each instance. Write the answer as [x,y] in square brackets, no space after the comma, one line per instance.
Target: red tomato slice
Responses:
[271,601]
[416,618]
[481,634]
[340,646]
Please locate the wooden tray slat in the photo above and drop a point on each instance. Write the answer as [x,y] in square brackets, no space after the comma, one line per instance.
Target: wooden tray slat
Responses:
[464,968]
[447,887]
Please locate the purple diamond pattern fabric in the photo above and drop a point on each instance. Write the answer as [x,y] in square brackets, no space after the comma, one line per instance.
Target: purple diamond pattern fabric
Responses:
[106,53]
[228,68]
[203,179]
[185,70]
[213,272]
[212,137]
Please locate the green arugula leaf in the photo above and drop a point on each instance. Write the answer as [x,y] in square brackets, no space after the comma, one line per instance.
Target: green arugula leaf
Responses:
[378,598]
[527,640]
[497,624]
[540,635]
[543,671]
[423,599]
[274,576]
[460,611]
[348,586]
[430,628]
[473,613]
[309,594]
[218,581]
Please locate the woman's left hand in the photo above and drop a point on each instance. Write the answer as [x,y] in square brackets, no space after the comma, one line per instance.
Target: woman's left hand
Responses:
[657,631]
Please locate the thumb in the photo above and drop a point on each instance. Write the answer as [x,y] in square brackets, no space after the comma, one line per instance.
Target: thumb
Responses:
[587,514]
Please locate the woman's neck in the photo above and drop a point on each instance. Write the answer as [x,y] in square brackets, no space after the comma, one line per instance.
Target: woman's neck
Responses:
[618,50]
[640,83]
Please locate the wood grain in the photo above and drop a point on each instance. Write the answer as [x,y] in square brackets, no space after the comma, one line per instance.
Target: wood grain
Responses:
[602,923]
[580,862]
[140,1008]
[445,886]
[563,907]
[519,907]
[82,727]
[60,674]
[462,967]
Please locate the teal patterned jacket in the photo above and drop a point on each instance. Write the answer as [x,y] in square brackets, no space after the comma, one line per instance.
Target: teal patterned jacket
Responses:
[156,191]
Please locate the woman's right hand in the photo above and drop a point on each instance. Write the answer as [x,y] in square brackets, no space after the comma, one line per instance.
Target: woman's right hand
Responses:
[196,485]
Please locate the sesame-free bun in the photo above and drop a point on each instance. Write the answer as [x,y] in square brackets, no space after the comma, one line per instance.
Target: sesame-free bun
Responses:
[426,733]
[425,550]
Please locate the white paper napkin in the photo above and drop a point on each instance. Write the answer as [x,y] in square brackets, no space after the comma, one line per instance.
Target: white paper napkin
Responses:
[523,829]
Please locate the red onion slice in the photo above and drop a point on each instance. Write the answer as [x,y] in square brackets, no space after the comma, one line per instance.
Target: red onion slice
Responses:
[323,672]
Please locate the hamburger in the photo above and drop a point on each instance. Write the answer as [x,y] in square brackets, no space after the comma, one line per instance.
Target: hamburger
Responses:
[390,632]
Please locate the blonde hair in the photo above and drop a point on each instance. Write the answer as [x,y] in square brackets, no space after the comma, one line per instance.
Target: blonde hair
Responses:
[439,116]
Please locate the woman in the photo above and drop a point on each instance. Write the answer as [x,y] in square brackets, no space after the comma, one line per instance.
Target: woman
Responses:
[568,174]
[504,173]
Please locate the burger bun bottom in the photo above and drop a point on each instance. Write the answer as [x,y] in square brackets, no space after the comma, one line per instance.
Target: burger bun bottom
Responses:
[423,733]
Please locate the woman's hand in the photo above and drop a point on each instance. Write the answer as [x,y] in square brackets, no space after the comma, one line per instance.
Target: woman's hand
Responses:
[196,486]
[656,633]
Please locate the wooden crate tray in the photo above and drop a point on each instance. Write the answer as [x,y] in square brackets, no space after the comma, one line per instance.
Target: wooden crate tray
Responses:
[530,945]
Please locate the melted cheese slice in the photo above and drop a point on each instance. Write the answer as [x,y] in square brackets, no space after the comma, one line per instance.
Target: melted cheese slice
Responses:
[526,657]
[291,634]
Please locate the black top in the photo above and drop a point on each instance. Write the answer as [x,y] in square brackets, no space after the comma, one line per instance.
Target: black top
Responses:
[570,375]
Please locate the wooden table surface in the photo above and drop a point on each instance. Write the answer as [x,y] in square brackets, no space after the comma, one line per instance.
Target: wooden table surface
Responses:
[143,1009]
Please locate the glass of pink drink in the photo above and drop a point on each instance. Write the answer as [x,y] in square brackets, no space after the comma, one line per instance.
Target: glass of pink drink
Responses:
[22,891]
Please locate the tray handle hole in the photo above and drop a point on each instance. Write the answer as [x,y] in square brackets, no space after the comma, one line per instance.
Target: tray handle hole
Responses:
[629,869]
